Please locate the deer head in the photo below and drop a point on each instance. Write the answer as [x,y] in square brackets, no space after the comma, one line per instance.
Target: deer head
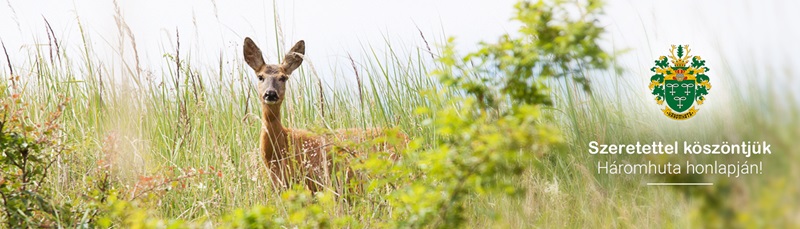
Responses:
[272,77]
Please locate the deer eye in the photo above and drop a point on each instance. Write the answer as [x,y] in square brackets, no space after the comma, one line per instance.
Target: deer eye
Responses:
[260,78]
[283,79]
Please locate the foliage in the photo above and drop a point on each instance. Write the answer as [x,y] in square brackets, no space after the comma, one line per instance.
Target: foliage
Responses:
[30,149]
[305,210]
[552,42]
[495,132]
[484,122]
[487,125]
[28,152]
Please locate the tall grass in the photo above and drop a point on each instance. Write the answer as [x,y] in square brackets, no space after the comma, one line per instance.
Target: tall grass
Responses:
[183,118]
[568,192]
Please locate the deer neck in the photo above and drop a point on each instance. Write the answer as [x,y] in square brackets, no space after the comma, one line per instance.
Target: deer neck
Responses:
[272,117]
[273,142]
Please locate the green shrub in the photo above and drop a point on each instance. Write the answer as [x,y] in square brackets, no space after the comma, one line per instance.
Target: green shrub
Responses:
[495,130]
[488,129]
[27,152]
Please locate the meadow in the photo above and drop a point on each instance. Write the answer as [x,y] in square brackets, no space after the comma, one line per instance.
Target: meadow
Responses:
[179,146]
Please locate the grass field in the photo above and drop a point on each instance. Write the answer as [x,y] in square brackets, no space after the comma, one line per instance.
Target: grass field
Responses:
[182,142]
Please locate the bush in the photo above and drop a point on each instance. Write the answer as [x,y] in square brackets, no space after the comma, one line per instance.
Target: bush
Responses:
[496,128]
[27,152]
[489,130]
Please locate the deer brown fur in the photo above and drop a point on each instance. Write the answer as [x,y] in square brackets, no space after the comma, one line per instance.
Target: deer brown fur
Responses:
[295,154]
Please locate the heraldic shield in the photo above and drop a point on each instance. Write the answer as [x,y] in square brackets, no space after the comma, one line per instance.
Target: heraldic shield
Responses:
[680,95]
[680,80]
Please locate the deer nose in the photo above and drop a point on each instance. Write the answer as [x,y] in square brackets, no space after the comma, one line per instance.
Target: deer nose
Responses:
[271,96]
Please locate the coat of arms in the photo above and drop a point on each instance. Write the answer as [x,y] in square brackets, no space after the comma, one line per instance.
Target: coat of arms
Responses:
[678,84]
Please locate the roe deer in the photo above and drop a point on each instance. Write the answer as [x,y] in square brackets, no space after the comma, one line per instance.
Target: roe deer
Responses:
[292,154]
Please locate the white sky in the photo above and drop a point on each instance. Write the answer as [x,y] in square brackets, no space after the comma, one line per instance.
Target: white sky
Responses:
[331,29]
[742,35]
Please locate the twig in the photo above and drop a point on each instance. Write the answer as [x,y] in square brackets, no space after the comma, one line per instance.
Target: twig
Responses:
[50,164]
[166,182]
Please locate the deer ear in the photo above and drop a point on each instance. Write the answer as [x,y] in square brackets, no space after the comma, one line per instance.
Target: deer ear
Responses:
[294,57]
[252,55]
